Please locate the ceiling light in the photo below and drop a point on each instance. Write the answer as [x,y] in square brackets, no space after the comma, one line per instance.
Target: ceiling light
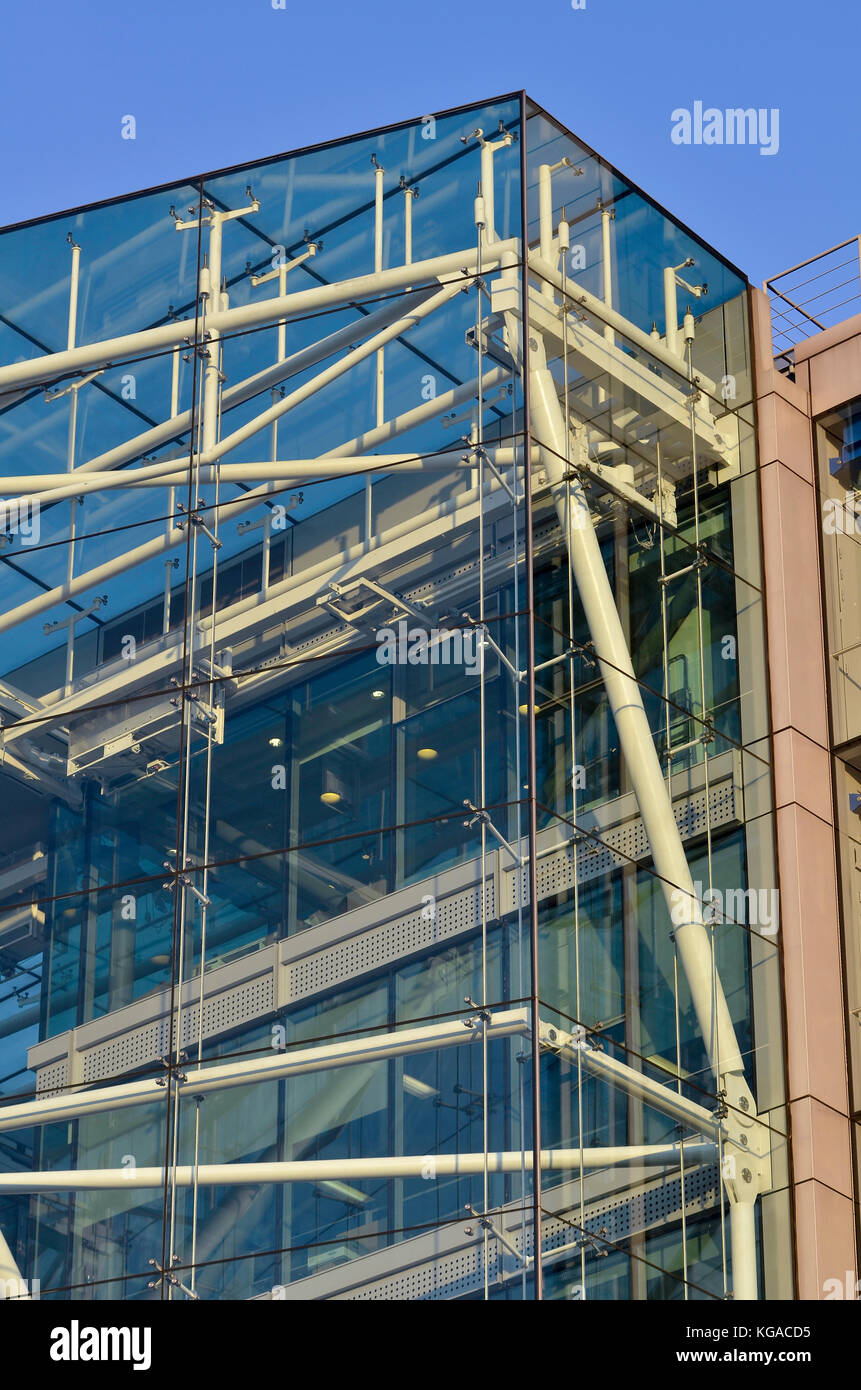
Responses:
[377,694]
[353,1195]
[275,742]
[418,1088]
[333,791]
[427,755]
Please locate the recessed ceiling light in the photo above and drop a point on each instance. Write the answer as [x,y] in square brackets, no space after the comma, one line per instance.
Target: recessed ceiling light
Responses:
[427,755]
[377,694]
[330,798]
[275,742]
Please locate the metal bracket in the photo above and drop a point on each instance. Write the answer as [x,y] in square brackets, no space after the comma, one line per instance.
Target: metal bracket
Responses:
[483,817]
[165,1274]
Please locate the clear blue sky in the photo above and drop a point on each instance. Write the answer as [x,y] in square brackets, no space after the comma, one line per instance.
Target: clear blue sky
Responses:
[218,82]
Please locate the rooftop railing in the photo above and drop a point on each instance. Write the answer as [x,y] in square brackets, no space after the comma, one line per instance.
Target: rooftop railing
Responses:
[812,296]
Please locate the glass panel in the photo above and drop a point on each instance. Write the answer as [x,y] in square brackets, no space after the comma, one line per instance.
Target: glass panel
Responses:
[283,841]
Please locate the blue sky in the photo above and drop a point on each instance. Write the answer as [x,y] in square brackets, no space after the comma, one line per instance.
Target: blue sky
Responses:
[218,82]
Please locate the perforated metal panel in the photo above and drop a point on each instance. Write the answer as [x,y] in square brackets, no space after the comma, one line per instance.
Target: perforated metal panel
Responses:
[420,1270]
[444,1279]
[402,937]
[125,1052]
[622,844]
[53,1080]
[120,1042]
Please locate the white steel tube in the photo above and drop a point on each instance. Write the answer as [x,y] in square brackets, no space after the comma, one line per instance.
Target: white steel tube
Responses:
[73,296]
[354,1169]
[331,373]
[671,311]
[654,347]
[174,386]
[273,1067]
[165,612]
[71,437]
[742,1236]
[663,1098]
[169,474]
[236,395]
[212,373]
[95,577]
[152,340]
[11,1283]
[408,226]
[607,257]
[635,736]
[545,221]
[411,419]
[464,504]
[90,579]
[379,174]
[246,611]
[487,192]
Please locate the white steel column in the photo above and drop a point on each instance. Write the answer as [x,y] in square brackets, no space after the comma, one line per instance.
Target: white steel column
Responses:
[379,173]
[635,735]
[11,1283]
[742,1235]
[644,769]
[671,311]
[607,216]
[70,451]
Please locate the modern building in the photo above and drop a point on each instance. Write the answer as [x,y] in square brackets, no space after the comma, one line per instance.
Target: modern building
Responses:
[431,740]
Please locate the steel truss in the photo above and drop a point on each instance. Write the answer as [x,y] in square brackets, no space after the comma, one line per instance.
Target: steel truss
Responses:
[560,320]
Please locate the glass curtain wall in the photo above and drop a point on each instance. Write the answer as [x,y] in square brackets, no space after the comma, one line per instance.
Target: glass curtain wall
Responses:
[320,829]
[641,344]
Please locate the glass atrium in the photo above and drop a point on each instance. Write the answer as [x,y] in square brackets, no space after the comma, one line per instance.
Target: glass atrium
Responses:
[387,891]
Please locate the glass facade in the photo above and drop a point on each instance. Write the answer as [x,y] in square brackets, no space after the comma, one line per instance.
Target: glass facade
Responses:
[385,744]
